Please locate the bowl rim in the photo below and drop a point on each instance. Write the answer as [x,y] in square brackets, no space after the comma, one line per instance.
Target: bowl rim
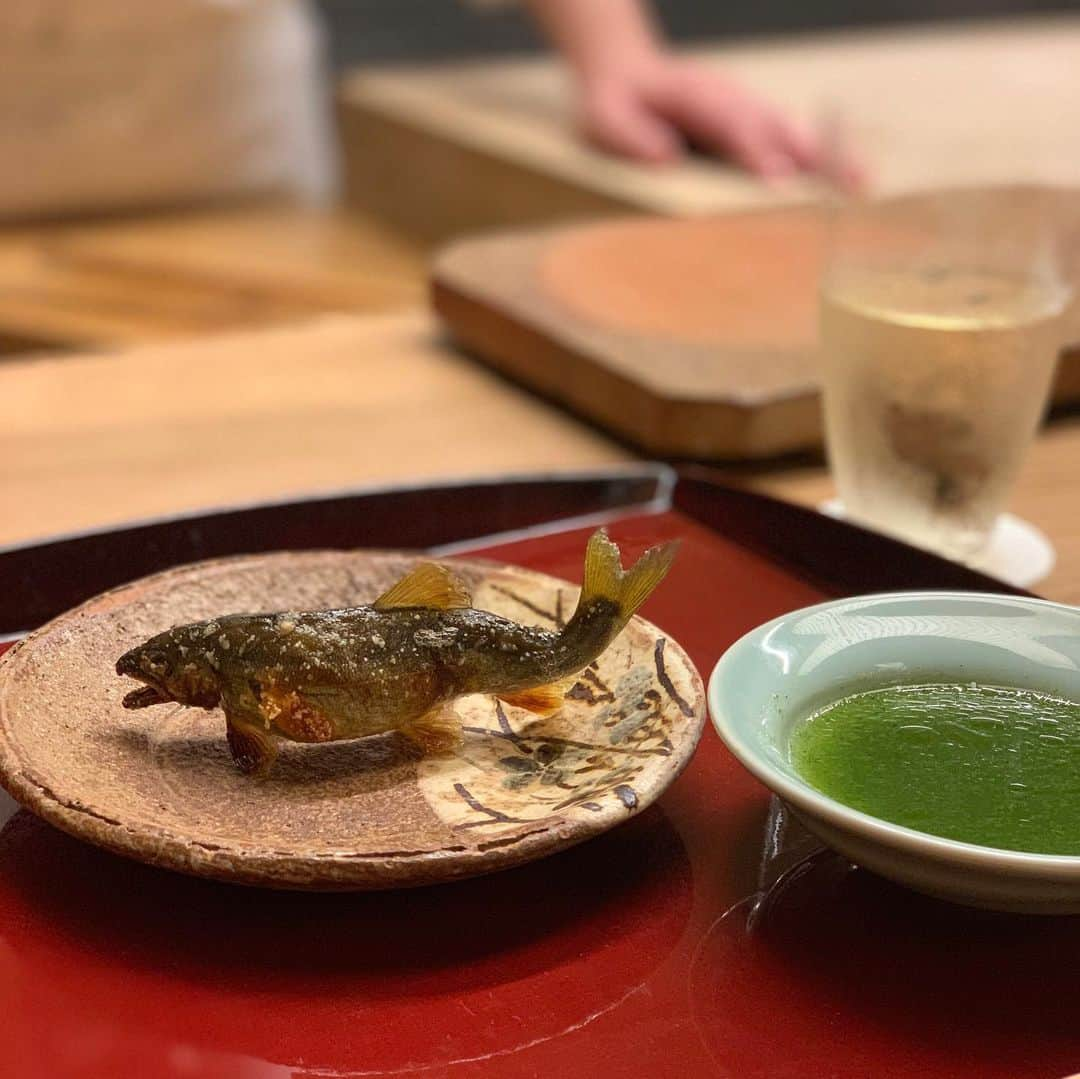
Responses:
[813,802]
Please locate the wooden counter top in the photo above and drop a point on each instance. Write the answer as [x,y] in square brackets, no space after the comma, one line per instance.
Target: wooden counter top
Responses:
[131,280]
[340,402]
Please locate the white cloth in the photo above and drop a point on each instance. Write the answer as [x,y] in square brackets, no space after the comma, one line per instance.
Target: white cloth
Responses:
[109,104]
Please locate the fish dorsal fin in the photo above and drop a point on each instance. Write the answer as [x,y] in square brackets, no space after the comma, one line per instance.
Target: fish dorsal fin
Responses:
[429,585]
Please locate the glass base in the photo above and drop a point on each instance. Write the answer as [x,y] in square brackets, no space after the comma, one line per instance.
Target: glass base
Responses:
[1017,553]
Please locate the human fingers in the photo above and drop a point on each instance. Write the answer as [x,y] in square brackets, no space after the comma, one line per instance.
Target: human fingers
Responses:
[731,124]
[621,123]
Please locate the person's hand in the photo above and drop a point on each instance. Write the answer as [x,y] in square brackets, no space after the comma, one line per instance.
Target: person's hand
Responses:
[652,107]
[640,100]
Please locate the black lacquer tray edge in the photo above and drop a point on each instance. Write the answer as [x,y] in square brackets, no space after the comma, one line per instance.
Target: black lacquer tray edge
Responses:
[42,579]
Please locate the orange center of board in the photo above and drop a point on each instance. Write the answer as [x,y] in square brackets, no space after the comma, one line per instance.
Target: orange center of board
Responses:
[745,281]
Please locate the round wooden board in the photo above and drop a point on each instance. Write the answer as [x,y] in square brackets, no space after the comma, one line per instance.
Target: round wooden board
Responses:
[159,784]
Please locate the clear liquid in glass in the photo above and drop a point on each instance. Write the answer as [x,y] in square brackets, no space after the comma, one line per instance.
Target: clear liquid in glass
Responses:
[935,380]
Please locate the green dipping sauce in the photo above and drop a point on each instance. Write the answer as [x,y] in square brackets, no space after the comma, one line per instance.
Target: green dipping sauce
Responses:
[981,764]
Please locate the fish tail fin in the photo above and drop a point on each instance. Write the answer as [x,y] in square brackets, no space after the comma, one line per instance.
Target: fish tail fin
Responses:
[605,579]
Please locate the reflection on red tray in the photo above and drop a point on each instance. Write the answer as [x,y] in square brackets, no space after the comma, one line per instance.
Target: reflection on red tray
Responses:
[695,941]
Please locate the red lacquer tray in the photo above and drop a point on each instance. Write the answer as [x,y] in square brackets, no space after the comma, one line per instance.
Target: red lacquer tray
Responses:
[705,937]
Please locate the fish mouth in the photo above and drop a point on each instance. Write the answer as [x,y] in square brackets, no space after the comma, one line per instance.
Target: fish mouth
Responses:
[145,696]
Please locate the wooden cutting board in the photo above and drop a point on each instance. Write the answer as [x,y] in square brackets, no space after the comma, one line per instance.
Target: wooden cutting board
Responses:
[688,337]
[441,150]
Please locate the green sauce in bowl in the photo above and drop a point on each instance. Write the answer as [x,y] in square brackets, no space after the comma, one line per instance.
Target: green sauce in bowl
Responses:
[982,764]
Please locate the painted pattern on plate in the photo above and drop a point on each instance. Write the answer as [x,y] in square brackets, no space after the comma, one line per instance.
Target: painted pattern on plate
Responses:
[516,768]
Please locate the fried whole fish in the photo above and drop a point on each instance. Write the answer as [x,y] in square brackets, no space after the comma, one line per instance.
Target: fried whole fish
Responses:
[319,676]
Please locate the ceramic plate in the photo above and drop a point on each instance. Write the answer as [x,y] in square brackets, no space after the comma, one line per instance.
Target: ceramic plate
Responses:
[159,785]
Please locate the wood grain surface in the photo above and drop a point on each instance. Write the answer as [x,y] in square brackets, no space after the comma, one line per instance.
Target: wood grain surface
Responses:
[340,402]
[441,150]
[127,281]
[344,401]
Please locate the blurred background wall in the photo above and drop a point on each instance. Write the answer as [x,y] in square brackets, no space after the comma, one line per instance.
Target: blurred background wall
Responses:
[363,30]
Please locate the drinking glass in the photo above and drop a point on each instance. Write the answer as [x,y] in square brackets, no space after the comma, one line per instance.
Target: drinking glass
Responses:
[941,323]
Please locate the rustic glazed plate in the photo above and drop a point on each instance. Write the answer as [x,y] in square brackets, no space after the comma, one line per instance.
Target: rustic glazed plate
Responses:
[159,784]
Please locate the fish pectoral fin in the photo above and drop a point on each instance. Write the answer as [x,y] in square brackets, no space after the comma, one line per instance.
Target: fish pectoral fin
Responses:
[253,750]
[541,700]
[299,716]
[435,732]
[429,585]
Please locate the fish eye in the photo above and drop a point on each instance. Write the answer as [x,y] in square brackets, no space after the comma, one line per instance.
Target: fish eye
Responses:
[155,662]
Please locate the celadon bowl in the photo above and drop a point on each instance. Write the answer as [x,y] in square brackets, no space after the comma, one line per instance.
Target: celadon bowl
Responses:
[770,680]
